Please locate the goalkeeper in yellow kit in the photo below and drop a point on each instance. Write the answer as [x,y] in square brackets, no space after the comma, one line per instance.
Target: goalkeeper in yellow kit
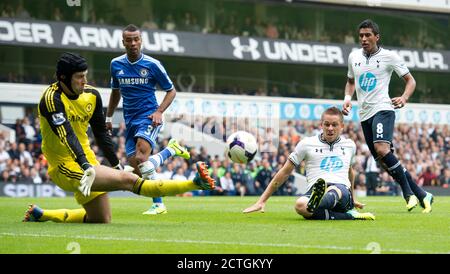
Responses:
[66,109]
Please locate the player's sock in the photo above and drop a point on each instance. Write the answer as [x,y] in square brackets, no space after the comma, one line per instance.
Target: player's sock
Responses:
[159,158]
[158,188]
[325,214]
[395,169]
[418,191]
[64,215]
[329,200]
[167,152]
[147,170]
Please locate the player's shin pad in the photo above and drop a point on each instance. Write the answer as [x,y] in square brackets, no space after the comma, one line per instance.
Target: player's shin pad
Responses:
[158,188]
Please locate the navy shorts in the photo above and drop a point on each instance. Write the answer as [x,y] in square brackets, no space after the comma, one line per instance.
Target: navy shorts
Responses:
[344,204]
[379,128]
[143,130]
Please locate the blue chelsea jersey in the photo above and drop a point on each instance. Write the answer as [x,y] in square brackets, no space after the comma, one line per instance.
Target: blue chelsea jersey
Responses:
[137,83]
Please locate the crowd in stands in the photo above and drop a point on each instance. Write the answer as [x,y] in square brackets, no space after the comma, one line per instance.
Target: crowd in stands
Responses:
[423,149]
[226,20]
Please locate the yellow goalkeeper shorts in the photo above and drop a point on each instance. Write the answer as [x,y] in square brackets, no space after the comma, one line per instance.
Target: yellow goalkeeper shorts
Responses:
[67,176]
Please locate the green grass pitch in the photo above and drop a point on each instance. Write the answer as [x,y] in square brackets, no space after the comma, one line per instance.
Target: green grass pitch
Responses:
[211,225]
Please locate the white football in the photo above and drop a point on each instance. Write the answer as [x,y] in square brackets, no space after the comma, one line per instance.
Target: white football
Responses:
[241,147]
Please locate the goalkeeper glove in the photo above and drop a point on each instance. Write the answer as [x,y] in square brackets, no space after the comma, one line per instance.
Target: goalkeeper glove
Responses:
[87,180]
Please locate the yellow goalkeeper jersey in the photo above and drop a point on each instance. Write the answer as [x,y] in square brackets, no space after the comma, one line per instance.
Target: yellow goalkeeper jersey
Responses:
[64,122]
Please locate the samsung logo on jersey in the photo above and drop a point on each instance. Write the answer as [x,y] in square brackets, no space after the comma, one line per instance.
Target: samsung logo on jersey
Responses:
[133,81]
[287,51]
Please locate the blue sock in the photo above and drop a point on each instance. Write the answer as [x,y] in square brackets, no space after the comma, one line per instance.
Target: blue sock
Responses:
[395,169]
[159,158]
[418,191]
[329,200]
[325,214]
[157,200]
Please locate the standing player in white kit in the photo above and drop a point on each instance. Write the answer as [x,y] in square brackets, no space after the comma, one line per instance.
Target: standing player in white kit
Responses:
[372,68]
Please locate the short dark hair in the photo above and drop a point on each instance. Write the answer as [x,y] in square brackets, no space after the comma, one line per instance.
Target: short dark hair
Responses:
[369,24]
[131,28]
[333,111]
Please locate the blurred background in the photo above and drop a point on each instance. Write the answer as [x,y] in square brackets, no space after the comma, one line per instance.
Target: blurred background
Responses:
[267,67]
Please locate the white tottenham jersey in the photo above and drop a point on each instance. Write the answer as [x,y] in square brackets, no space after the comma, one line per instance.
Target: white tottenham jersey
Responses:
[330,162]
[372,75]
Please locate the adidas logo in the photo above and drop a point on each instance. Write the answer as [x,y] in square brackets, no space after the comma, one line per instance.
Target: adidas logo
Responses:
[120,72]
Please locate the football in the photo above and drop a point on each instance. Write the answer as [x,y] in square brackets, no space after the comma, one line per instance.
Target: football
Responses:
[241,147]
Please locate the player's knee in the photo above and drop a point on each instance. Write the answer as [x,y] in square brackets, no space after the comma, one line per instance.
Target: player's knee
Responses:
[143,151]
[101,219]
[106,219]
[128,179]
[382,149]
[300,207]
[338,191]
[140,158]
[381,152]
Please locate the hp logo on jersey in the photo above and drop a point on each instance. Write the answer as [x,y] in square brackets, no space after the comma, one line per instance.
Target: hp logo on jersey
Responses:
[331,164]
[367,81]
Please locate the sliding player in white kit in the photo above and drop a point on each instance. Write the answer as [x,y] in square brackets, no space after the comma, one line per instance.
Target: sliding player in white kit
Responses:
[328,162]
[369,72]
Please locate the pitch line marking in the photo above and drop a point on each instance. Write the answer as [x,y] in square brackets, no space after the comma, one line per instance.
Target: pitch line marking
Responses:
[7,234]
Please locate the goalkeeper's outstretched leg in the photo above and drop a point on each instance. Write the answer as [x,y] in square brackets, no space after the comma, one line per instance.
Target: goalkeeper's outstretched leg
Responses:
[91,194]
[108,179]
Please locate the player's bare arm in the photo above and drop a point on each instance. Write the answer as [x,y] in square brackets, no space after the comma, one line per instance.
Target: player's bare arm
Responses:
[102,138]
[410,86]
[349,90]
[114,100]
[351,177]
[157,115]
[279,179]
